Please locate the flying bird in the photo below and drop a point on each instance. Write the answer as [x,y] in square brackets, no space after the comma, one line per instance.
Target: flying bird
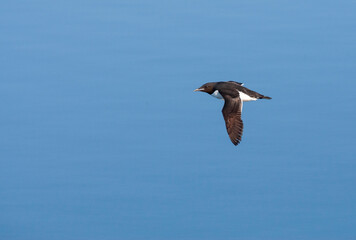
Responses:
[234,95]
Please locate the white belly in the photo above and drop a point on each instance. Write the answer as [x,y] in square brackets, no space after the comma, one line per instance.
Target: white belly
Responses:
[246,98]
[217,94]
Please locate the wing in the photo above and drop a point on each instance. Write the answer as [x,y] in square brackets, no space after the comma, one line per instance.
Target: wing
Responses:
[232,115]
[241,84]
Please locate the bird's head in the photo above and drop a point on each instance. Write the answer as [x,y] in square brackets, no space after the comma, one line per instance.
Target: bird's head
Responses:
[207,87]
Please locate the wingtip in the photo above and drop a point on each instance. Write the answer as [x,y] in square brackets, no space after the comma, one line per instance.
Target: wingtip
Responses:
[235,142]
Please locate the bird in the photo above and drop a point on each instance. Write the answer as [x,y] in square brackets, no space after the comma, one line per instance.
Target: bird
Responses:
[234,94]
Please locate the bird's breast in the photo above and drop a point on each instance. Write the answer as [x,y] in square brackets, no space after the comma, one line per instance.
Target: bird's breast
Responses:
[217,94]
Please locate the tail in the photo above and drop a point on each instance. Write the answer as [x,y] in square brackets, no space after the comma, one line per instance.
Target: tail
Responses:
[265,97]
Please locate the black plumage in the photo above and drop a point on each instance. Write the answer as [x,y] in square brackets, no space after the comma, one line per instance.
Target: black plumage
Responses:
[234,95]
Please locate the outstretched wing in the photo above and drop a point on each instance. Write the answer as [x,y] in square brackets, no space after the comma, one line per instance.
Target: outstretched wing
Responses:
[241,84]
[232,115]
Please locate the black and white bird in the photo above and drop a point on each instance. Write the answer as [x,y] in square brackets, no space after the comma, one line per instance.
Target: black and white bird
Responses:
[234,95]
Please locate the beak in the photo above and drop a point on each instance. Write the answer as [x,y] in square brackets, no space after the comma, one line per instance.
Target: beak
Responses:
[198,89]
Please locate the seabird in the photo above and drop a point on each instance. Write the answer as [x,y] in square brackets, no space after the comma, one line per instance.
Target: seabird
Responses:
[234,95]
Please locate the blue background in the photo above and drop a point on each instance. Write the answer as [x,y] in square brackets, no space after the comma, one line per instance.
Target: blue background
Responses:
[102,136]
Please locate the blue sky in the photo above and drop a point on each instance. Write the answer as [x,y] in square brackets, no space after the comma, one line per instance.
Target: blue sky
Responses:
[104,138]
